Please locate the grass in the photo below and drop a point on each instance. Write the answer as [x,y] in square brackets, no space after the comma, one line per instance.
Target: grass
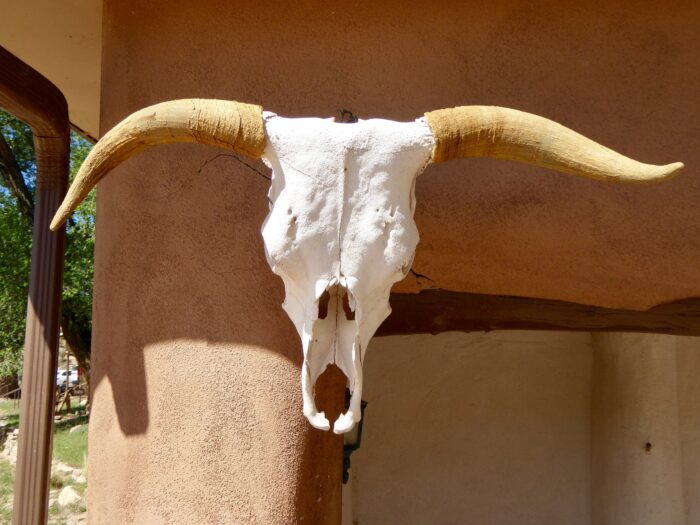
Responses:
[9,410]
[7,485]
[70,448]
[67,448]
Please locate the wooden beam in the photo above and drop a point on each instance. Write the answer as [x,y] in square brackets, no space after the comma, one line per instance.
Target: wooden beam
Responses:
[436,311]
[32,98]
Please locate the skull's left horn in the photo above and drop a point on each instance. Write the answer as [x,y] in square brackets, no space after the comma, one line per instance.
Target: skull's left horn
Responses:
[230,125]
[489,131]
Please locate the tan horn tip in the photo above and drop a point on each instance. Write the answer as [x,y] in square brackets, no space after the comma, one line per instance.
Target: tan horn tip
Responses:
[671,170]
[58,220]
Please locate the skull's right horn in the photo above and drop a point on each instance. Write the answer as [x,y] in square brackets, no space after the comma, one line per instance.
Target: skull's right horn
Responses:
[229,125]
[502,133]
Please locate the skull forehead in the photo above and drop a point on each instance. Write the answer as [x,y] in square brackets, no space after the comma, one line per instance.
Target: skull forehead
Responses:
[342,196]
[307,138]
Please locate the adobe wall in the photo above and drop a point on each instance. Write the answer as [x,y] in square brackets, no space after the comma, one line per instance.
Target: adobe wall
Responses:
[525,428]
[476,428]
[196,408]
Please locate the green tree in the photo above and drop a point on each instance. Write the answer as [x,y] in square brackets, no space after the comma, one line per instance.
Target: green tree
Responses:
[18,178]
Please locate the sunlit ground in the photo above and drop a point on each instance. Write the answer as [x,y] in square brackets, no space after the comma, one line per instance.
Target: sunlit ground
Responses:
[69,449]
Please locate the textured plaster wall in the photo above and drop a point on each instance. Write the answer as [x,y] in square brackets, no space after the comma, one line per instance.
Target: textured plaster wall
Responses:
[624,74]
[519,428]
[197,413]
[476,428]
[688,370]
[637,474]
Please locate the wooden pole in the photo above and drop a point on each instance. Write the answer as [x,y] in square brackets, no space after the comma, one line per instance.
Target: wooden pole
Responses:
[36,101]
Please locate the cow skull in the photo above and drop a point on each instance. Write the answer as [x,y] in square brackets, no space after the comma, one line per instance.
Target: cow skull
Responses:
[340,231]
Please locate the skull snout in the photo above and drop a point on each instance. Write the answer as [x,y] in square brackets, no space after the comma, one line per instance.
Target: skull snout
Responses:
[332,338]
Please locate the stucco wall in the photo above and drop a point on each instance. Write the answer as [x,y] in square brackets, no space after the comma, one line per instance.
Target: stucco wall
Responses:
[623,73]
[517,428]
[476,428]
[196,408]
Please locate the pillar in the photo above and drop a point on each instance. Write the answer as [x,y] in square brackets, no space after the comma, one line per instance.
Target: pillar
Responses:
[196,409]
[40,104]
[196,412]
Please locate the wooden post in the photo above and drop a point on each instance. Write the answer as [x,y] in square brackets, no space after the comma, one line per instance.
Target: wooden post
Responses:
[36,101]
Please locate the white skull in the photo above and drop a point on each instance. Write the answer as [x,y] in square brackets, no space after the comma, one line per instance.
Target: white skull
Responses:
[340,233]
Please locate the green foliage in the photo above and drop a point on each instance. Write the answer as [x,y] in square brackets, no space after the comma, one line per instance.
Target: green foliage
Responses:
[80,245]
[15,250]
[21,140]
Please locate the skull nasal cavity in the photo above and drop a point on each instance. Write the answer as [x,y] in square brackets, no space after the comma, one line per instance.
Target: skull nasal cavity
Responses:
[349,314]
[323,305]
[325,298]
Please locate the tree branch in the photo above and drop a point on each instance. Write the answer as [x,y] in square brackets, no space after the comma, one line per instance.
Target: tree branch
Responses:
[13,179]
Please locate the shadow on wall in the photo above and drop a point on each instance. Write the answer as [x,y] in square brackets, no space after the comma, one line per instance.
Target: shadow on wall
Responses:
[192,349]
[191,297]
[178,289]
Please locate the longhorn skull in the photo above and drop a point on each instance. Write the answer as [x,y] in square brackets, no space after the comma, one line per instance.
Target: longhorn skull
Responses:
[340,231]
